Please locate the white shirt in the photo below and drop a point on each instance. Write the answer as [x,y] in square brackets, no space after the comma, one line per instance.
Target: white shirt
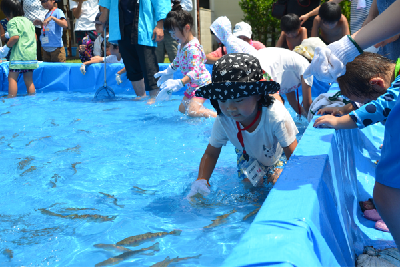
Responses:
[275,130]
[97,46]
[284,66]
[89,10]
[113,59]
[33,9]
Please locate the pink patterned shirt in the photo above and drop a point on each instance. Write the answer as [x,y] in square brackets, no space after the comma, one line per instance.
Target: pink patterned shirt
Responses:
[190,60]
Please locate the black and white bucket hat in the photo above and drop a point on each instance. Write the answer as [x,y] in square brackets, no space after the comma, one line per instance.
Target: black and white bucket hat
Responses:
[237,75]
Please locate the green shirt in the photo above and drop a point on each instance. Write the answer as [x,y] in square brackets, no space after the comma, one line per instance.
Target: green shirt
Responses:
[23,53]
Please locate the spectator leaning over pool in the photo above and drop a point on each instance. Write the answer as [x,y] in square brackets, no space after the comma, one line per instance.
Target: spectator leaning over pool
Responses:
[137,26]
[85,12]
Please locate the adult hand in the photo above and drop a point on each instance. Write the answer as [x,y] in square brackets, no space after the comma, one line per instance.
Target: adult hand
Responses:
[83,69]
[158,32]
[327,121]
[104,16]
[303,18]
[329,62]
[164,75]
[4,51]
[387,41]
[199,186]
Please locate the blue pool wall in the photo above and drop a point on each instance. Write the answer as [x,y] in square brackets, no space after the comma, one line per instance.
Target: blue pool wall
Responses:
[311,217]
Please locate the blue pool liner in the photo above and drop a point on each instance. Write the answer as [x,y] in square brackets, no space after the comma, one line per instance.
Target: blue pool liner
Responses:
[311,217]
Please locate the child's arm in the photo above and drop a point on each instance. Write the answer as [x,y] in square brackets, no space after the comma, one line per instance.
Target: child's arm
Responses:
[207,163]
[345,26]
[289,149]
[315,27]
[94,60]
[12,41]
[2,33]
[281,40]
[62,22]
[121,71]
[337,110]
[304,33]
[330,121]
[315,12]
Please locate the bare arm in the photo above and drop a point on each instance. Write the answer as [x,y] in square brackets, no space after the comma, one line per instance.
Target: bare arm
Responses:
[94,60]
[373,13]
[78,10]
[315,12]
[381,28]
[13,40]
[315,27]
[345,26]
[104,15]
[61,22]
[281,40]
[344,122]
[2,34]
[208,161]
[289,149]
[158,32]
[211,59]
[121,71]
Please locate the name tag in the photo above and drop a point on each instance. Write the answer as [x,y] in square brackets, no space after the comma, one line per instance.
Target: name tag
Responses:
[253,171]
[45,40]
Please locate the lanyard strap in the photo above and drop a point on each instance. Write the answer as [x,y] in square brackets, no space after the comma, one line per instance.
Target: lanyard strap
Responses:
[44,28]
[240,136]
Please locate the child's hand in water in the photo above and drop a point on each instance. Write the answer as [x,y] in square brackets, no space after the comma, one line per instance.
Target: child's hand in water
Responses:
[199,186]
[335,111]
[327,121]
[83,69]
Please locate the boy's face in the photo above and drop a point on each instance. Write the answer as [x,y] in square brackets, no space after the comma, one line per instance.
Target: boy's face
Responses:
[241,109]
[99,28]
[47,4]
[293,34]
[329,25]
[114,50]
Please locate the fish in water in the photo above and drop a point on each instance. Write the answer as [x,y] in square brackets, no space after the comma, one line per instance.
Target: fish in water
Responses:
[136,240]
[220,220]
[168,261]
[71,149]
[126,255]
[142,191]
[112,247]
[109,109]
[8,112]
[89,217]
[24,162]
[73,165]
[114,201]
[8,253]
[251,214]
[31,169]
[41,138]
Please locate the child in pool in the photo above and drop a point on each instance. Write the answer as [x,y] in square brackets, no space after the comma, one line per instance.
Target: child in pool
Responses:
[257,125]
[372,79]
[292,33]
[114,57]
[189,60]
[22,43]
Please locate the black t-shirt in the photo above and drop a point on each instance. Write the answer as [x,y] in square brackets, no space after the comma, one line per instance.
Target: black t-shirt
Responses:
[128,8]
[302,7]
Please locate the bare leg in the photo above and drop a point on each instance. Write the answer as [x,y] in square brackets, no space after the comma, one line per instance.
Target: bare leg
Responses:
[139,87]
[291,97]
[28,79]
[153,94]
[12,84]
[196,108]
[387,201]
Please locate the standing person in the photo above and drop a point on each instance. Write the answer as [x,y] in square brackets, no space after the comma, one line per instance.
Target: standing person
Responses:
[33,10]
[189,60]
[169,44]
[259,127]
[85,12]
[137,47]
[52,44]
[22,44]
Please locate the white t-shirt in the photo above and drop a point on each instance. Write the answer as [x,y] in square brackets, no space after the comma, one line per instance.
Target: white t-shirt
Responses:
[89,10]
[113,59]
[97,46]
[284,66]
[276,130]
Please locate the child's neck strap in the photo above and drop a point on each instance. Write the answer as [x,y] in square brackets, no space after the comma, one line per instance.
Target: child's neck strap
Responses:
[240,136]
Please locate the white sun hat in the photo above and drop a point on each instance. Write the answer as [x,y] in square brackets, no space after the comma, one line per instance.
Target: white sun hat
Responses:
[242,28]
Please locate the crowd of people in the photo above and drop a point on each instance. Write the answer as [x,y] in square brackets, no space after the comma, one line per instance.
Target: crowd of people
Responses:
[248,79]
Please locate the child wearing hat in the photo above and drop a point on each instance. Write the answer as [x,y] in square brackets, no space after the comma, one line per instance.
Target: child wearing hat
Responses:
[257,125]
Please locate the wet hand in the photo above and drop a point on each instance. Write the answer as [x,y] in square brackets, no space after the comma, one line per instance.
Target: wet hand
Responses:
[303,18]
[83,69]
[158,34]
[335,111]
[199,186]
[327,121]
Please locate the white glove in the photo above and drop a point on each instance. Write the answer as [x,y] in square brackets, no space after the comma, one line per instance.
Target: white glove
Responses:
[165,75]
[168,88]
[83,69]
[7,35]
[118,78]
[199,186]
[329,62]
[4,51]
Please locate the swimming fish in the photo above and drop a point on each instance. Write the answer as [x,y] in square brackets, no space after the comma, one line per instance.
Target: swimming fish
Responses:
[15,135]
[94,217]
[41,138]
[84,131]
[71,149]
[24,162]
[112,247]
[8,253]
[142,191]
[139,239]
[220,220]
[74,167]
[251,214]
[8,112]
[31,169]
[114,201]
[126,255]
[168,261]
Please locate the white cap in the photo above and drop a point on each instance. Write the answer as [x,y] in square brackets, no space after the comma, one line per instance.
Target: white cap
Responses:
[242,28]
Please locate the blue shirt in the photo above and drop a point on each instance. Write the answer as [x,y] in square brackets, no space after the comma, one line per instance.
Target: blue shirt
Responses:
[53,31]
[379,109]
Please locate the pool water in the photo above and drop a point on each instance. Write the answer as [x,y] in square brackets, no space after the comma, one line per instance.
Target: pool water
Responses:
[76,173]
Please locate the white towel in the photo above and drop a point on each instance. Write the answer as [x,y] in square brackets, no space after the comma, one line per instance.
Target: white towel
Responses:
[325,100]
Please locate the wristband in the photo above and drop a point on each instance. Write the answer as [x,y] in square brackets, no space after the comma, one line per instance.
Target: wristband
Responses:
[355,44]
